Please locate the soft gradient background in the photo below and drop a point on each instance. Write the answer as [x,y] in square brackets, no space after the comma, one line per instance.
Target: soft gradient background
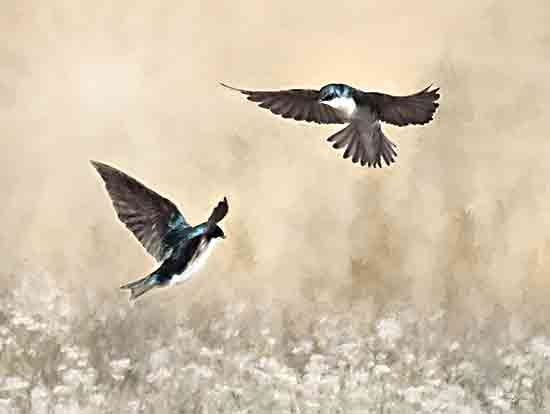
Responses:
[462,220]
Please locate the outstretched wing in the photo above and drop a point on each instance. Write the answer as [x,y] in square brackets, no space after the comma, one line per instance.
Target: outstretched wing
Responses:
[219,212]
[417,108]
[148,215]
[298,104]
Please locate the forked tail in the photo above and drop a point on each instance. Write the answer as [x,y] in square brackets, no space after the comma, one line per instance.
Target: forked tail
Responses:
[366,144]
[141,286]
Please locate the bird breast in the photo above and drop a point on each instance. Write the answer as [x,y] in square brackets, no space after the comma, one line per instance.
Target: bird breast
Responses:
[197,261]
[346,105]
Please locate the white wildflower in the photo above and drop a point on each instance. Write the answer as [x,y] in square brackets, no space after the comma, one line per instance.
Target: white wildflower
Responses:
[98,399]
[305,347]
[13,384]
[413,395]
[409,358]
[72,378]
[133,406]
[119,368]
[5,405]
[381,370]
[201,371]
[159,358]
[67,407]
[389,330]
[71,351]
[527,382]
[39,400]
[159,375]
[497,399]
[540,346]
[211,353]
[62,390]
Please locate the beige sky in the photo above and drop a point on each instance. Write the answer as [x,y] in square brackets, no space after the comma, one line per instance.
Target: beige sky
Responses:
[134,84]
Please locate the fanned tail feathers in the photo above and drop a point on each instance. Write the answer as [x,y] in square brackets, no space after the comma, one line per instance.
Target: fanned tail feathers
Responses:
[369,146]
[140,287]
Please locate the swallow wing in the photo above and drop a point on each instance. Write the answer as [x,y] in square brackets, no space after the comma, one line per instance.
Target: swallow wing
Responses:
[148,215]
[298,104]
[416,109]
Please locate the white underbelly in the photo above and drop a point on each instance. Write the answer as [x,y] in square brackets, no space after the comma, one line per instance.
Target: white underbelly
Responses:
[204,250]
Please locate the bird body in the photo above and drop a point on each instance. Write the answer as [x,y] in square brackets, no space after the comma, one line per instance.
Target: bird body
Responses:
[338,103]
[188,257]
[181,249]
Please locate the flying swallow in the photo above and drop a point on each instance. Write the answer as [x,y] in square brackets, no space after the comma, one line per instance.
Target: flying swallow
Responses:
[162,230]
[337,103]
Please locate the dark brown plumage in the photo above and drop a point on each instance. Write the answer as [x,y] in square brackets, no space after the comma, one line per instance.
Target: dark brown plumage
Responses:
[363,139]
[415,109]
[297,104]
[144,212]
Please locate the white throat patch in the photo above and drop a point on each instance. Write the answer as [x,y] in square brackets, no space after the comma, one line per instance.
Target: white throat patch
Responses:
[345,105]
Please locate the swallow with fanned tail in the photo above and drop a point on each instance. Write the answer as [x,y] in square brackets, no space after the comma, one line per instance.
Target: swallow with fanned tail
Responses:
[338,103]
[162,230]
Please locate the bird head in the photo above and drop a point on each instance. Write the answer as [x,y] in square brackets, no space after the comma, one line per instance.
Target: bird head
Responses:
[217,232]
[334,91]
[339,97]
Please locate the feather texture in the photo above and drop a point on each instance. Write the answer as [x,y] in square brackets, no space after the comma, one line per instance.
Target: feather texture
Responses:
[148,215]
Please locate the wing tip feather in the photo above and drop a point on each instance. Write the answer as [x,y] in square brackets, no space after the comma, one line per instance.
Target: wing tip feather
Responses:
[98,165]
[103,169]
[225,85]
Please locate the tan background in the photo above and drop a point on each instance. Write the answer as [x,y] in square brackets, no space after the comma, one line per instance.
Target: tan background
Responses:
[462,219]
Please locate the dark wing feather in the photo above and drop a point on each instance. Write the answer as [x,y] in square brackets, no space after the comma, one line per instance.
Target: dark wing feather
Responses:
[417,109]
[148,215]
[298,104]
[219,212]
